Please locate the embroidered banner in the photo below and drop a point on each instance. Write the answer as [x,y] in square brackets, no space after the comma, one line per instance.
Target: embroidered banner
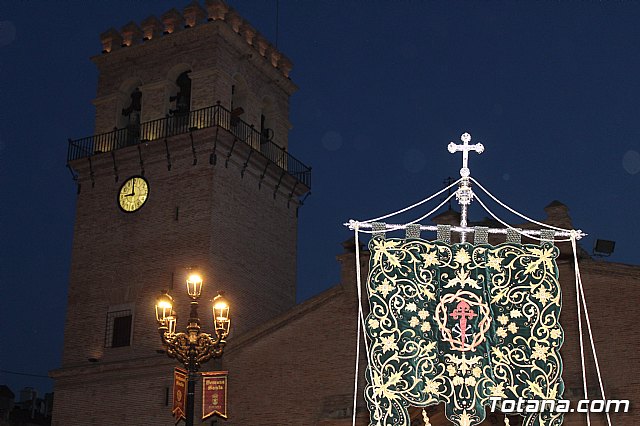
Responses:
[460,323]
[214,394]
[179,394]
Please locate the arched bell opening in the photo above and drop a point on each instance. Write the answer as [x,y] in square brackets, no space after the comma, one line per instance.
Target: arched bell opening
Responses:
[179,99]
[129,116]
[239,102]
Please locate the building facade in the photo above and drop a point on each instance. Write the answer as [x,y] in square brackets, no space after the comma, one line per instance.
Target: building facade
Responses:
[189,168]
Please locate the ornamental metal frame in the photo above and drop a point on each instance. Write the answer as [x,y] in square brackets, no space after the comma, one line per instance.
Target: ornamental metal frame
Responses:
[416,292]
[193,348]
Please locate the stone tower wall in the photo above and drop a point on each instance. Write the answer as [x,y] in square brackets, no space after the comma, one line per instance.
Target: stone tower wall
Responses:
[221,51]
[214,204]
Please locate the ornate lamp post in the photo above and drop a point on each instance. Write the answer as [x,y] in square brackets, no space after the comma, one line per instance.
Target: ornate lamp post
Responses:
[194,347]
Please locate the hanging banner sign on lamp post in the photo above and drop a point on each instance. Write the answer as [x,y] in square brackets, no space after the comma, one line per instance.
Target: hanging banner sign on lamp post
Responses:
[179,394]
[214,394]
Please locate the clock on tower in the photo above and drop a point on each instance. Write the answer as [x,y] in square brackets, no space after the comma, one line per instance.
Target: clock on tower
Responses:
[133,194]
[188,168]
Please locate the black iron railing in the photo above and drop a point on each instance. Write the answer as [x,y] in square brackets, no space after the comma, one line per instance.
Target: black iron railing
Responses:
[176,124]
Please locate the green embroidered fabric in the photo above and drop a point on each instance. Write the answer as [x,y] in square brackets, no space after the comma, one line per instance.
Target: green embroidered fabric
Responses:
[459,324]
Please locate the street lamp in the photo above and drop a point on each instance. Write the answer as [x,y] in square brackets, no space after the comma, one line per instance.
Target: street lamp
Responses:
[194,347]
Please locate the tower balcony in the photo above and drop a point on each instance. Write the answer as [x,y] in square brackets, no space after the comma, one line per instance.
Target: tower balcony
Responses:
[181,123]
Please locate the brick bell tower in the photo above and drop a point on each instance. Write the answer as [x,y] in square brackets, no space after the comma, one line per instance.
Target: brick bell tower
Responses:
[189,167]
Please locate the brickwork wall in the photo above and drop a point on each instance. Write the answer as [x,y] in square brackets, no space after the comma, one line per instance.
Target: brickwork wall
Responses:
[300,374]
[209,207]
[298,369]
[609,290]
[226,226]
[217,58]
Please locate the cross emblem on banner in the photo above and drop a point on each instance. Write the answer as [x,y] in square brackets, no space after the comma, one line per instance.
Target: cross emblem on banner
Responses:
[463,312]
[465,148]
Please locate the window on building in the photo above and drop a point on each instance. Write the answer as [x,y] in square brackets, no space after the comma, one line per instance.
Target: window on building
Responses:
[132,117]
[132,112]
[180,121]
[118,330]
[183,97]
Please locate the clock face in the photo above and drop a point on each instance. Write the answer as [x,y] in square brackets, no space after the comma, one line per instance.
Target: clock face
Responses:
[133,194]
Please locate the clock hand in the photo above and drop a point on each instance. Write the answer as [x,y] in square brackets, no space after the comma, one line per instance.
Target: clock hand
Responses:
[133,188]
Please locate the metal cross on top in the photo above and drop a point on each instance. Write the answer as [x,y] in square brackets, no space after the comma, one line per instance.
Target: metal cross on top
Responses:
[465,148]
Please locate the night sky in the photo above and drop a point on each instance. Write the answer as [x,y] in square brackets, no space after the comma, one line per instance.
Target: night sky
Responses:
[551,89]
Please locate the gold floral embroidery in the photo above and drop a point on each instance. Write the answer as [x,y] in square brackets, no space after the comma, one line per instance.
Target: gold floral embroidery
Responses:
[411,363]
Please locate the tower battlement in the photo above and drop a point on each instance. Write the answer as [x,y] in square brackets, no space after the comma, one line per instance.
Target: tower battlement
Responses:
[194,15]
